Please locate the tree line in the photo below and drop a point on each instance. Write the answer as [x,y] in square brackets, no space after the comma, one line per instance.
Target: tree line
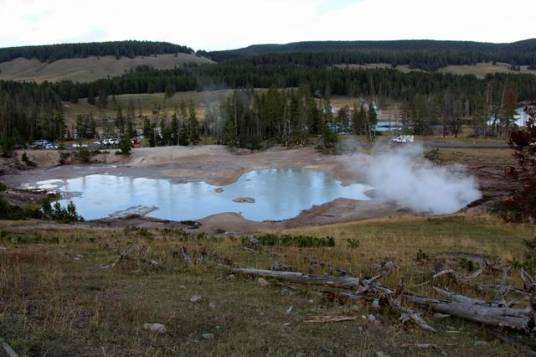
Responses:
[51,53]
[388,83]
[30,111]
[423,54]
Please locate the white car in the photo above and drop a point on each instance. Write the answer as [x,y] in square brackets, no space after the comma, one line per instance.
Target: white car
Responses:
[404,139]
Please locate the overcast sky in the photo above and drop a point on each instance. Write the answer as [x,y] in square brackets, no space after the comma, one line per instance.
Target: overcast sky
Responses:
[225,24]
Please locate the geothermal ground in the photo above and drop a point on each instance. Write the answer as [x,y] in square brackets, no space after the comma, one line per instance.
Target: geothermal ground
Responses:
[217,165]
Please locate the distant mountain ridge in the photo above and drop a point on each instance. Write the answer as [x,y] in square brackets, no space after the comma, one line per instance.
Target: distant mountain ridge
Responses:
[428,53]
[131,49]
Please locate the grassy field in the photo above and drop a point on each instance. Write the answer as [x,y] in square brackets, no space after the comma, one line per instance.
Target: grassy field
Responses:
[88,69]
[480,69]
[59,295]
[146,104]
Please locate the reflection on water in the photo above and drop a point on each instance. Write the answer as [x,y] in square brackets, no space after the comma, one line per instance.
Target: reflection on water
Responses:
[279,194]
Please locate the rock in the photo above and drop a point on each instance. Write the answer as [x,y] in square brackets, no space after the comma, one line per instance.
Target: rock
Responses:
[219,190]
[263,282]
[252,241]
[381,354]
[289,310]
[158,328]
[212,305]
[231,277]
[3,248]
[244,200]
[371,318]
[208,336]
[376,304]
[195,299]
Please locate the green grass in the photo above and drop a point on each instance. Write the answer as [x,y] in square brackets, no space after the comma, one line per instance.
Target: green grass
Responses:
[57,300]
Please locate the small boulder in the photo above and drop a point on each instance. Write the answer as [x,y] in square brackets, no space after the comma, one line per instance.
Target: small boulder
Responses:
[153,327]
[262,282]
[244,200]
[208,336]
[196,298]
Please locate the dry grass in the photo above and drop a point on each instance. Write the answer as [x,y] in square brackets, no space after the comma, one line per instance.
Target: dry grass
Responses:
[482,69]
[147,104]
[88,69]
[56,299]
[401,68]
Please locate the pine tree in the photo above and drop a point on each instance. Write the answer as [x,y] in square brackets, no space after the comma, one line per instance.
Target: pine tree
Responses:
[174,130]
[103,99]
[91,96]
[193,125]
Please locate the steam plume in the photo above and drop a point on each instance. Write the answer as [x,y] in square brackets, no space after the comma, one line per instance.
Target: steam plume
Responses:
[404,176]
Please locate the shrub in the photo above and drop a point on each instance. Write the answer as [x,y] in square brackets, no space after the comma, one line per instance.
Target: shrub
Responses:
[294,241]
[125,145]
[61,214]
[9,211]
[138,231]
[422,256]
[83,155]
[522,203]
[27,160]
[353,243]
[63,157]
[7,145]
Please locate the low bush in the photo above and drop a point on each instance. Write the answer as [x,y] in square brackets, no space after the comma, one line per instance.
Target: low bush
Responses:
[60,214]
[353,243]
[27,160]
[9,211]
[292,241]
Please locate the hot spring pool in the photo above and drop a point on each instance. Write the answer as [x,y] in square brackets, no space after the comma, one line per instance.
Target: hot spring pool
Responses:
[278,194]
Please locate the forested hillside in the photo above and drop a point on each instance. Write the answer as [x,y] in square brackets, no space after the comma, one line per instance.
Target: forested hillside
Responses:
[51,53]
[286,114]
[423,54]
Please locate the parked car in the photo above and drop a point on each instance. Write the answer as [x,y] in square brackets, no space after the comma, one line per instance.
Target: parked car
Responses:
[39,144]
[404,139]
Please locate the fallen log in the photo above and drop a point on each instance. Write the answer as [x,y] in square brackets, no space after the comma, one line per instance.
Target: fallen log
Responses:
[345,282]
[477,311]
[329,319]
[457,305]
[6,349]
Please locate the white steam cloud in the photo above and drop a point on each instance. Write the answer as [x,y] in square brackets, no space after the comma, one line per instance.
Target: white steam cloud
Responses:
[405,177]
